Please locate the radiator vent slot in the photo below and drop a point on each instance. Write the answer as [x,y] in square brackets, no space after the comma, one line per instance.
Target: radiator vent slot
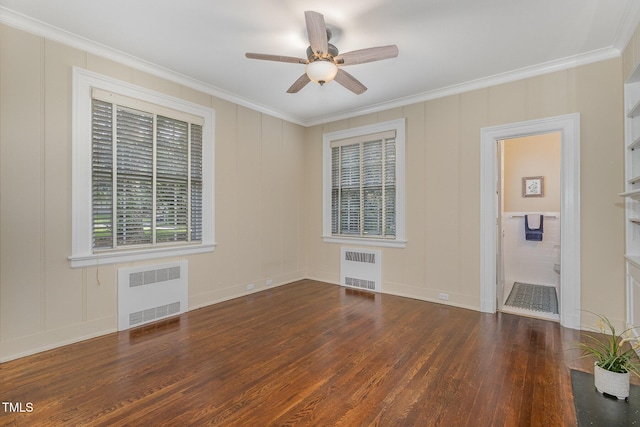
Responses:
[360,283]
[360,257]
[153,276]
[361,269]
[152,292]
[144,316]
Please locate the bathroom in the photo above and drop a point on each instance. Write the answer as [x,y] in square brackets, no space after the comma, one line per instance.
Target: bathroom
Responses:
[528,267]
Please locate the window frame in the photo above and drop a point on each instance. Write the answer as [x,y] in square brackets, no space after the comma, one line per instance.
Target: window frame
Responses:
[327,138]
[82,252]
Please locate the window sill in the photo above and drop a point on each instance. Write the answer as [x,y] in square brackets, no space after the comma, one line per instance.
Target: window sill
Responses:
[366,241]
[137,255]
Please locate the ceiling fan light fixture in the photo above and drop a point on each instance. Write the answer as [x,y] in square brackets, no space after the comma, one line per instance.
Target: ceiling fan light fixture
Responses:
[323,58]
[321,71]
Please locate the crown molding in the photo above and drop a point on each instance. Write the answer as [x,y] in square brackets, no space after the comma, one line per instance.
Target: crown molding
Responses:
[47,31]
[483,83]
[41,29]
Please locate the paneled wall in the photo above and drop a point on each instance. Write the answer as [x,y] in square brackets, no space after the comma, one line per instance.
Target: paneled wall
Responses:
[259,200]
[443,193]
[269,193]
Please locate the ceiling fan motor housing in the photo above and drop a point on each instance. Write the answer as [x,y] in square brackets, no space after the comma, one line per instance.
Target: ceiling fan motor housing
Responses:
[321,66]
[332,52]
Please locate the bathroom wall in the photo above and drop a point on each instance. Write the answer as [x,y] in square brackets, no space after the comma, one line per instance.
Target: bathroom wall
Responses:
[537,155]
[531,261]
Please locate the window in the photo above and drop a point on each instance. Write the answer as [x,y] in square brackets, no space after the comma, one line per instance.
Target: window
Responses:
[364,185]
[143,173]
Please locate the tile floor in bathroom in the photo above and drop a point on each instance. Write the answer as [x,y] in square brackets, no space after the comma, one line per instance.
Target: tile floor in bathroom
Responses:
[522,311]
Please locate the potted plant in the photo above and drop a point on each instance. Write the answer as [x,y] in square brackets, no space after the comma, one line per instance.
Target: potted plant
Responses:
[615,358]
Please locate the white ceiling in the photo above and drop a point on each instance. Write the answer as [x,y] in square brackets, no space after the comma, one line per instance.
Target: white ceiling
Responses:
[446,46]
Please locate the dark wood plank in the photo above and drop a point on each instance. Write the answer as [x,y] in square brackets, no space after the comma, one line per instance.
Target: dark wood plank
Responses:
[307,353]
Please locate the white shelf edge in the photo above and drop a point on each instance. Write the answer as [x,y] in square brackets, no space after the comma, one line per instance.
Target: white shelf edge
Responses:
[635,194]
[634,111]
[634,180]
[633,259]
[634,144]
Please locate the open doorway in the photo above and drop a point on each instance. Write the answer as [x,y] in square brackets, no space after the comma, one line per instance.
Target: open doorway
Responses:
[528,226]
[569,128]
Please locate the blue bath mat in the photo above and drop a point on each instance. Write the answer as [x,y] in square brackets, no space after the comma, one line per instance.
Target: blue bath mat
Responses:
[533,297]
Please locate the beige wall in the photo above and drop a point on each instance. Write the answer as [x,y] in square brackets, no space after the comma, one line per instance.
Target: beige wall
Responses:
[269,193]
[43,302]
[443,169]
[537,155]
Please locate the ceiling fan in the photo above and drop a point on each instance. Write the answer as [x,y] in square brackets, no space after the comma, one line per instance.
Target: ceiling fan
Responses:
[324,61]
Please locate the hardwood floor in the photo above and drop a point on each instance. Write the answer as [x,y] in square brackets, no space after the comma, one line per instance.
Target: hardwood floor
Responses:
[307,353]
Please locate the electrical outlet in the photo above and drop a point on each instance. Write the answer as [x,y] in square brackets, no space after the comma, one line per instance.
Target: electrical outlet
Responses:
[269,282]
[250,287]
[443,296]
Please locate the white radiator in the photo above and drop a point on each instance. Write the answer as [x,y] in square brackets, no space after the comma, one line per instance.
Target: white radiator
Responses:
[361,269]
[152,292]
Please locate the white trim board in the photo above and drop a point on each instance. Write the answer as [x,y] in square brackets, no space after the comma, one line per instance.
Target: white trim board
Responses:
[399,127]
[28,24]
[569,128]
[82,253]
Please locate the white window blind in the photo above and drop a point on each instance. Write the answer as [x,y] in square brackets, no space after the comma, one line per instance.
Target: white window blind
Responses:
[363,186]
[142,173]
[146,175]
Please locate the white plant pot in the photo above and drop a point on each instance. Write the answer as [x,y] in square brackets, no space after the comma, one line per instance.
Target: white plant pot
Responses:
[611,383]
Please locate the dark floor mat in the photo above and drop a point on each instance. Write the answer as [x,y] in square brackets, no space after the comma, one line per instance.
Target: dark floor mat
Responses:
[533,297]
[594,409]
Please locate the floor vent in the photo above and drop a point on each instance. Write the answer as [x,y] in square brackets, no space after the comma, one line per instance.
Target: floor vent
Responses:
[152,292]
[361,269]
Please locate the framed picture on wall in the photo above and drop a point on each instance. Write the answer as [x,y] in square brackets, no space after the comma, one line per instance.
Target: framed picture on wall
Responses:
[533,186]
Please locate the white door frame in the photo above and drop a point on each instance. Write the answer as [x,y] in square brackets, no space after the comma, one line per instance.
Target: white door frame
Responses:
[569,128]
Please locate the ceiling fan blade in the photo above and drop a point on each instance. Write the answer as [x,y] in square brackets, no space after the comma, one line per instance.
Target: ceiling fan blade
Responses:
[299,84]
[317,32]
[277,58]
[350,82]
[367,55]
